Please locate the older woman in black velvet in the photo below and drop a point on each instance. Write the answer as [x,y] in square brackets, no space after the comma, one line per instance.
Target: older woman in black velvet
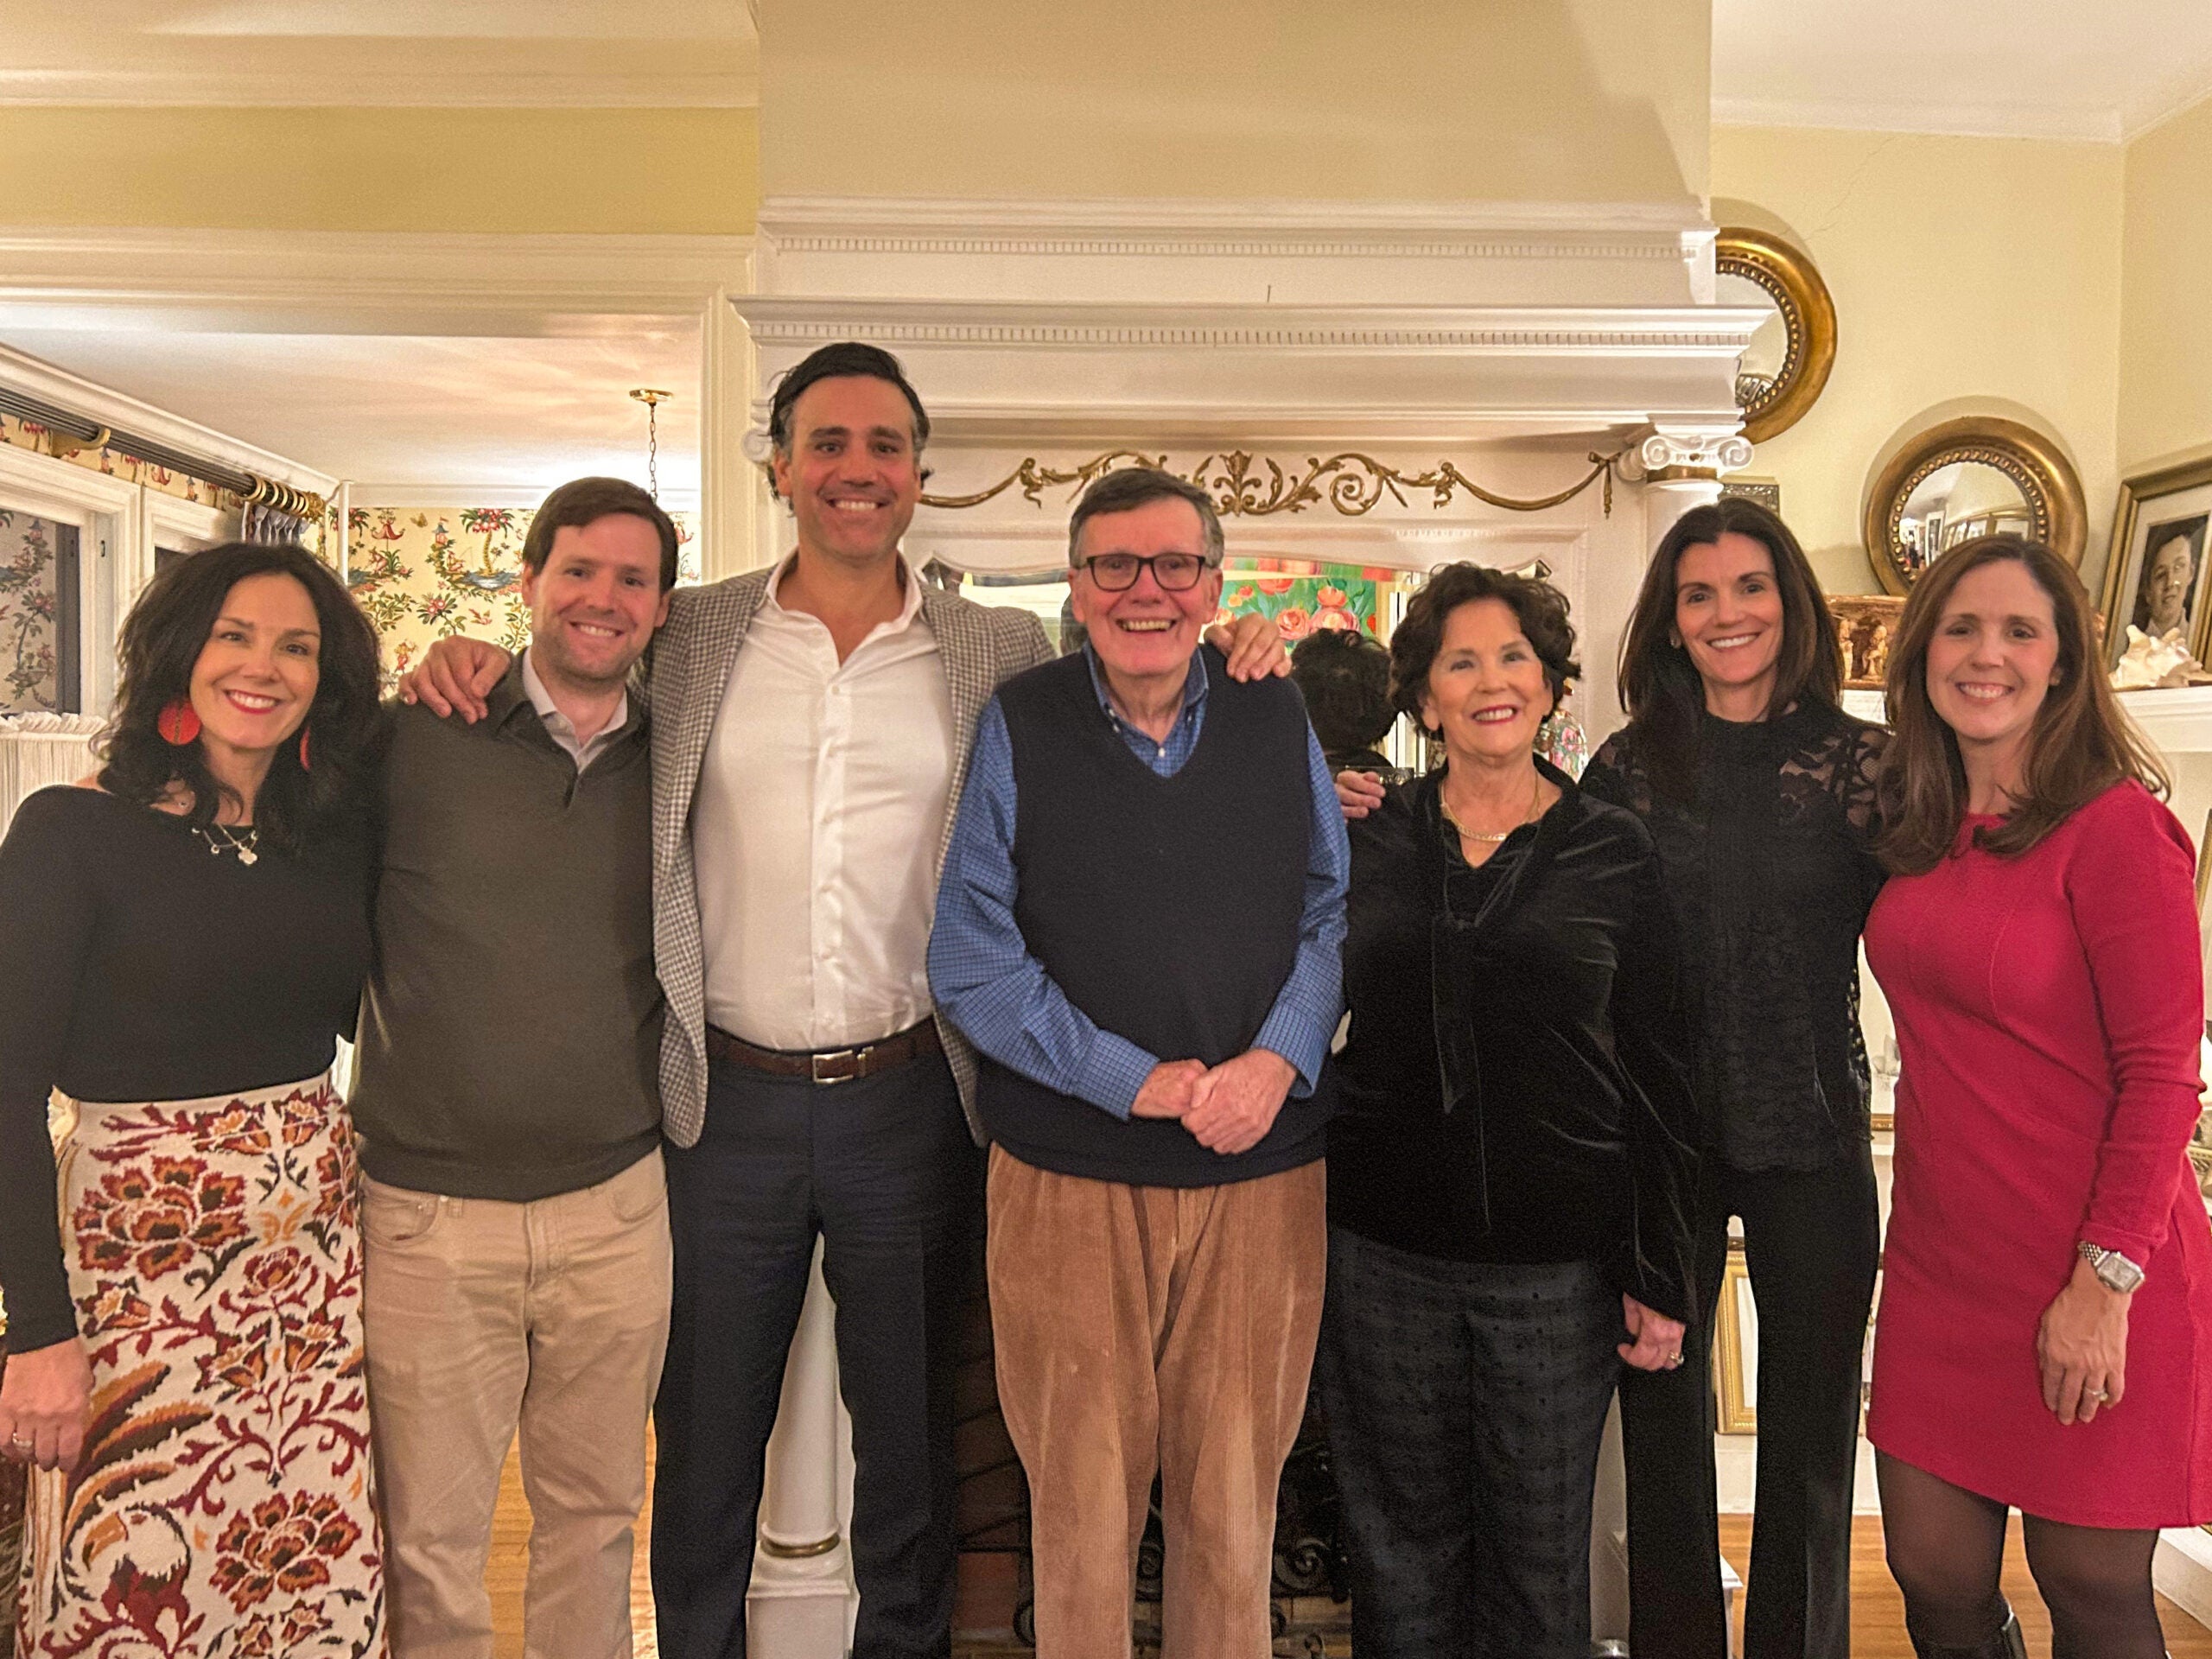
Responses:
[1508,1176]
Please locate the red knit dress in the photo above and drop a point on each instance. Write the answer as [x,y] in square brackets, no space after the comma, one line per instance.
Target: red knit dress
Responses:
[2048,1011]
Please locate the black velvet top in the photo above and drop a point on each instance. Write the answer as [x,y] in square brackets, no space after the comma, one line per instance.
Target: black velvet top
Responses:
[1770,875]
[137,965]
[1513,1087]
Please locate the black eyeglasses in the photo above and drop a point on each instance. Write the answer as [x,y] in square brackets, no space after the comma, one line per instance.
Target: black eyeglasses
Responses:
[1116,573]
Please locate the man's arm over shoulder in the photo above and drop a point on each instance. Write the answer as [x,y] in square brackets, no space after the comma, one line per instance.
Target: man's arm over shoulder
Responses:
[980,971]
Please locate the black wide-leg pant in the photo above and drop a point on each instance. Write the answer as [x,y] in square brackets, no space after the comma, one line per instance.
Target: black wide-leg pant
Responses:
[883,1169]
[1465,1404]
[1812,1243]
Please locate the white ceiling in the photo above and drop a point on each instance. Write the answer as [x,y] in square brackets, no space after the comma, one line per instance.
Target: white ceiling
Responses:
[676,54]
[2057,68]
[417,420]
[2102,70]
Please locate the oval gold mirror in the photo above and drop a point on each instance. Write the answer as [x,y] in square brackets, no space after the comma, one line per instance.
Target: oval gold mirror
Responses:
[1788,360]
[1976,476]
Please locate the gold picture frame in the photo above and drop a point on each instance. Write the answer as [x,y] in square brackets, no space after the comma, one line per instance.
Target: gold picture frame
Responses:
[2056,511]
[1794,283]
[1735,1346]
[2179,495]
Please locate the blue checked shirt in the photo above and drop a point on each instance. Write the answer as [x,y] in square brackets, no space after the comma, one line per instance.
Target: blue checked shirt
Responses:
[987,983]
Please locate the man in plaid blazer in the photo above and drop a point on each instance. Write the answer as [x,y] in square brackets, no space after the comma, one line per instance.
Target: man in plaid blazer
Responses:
[811,727]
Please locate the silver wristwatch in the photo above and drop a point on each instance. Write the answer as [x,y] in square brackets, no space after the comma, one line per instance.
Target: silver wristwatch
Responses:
[2113,1270]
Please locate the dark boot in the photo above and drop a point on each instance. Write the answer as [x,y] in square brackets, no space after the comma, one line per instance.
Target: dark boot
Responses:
[2004,1642]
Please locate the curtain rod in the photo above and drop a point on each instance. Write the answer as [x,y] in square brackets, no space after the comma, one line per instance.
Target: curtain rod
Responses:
[250,488]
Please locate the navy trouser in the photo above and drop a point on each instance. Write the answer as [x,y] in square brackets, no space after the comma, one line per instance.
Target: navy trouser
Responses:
[883,1169]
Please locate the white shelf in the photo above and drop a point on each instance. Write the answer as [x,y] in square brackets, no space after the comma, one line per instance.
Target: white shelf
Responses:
[2178,718]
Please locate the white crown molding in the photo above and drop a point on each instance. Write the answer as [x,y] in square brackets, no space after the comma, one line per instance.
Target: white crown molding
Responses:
[123,413]
[1246,228]
[1934,119]
[252,89]
[1720,331]
[340,281]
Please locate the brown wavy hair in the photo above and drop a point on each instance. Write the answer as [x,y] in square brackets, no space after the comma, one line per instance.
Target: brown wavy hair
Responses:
[161,643]
[2082,743]
[1659,684]
[1539,607]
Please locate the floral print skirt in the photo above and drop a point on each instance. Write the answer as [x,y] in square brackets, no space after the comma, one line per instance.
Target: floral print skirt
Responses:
[223,1507]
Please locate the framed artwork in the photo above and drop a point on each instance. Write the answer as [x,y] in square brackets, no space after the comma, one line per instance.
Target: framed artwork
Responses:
[1736,1347]
[1766,492]
[2156,573]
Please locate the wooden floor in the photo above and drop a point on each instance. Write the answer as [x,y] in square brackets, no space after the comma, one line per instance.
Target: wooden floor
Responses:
[1877,1610]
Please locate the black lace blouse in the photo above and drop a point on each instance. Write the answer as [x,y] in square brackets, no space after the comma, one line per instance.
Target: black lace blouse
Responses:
[1770,875]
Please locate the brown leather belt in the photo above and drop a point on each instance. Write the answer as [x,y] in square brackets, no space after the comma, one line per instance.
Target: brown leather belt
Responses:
[828,1064]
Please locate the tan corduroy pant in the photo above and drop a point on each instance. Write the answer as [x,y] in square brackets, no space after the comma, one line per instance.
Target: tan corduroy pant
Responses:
[1144,1328]
[484,1319]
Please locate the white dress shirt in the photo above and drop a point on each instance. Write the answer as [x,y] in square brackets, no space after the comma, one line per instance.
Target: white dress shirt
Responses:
[562,729]
[815,829]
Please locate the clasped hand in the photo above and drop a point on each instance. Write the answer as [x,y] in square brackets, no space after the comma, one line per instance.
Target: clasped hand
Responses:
[1229,1107]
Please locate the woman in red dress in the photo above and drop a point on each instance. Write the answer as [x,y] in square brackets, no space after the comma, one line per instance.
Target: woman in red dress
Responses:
[2045,1335]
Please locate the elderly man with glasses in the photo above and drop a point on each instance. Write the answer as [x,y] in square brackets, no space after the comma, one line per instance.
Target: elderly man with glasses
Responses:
[1138,927]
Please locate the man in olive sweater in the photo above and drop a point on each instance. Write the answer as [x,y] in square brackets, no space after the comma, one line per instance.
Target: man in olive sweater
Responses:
[514,1215]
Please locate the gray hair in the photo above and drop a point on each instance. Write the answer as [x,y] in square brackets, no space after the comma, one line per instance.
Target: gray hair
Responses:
[1127,488]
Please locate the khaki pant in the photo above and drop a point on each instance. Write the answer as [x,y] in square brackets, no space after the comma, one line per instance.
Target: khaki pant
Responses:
[1148,1327]
[486,1318]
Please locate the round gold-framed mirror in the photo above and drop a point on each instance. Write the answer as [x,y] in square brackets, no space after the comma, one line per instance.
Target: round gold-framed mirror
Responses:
[1977,475]
[1788,360]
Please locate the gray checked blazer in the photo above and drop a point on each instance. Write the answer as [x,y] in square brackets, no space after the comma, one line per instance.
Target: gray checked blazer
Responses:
[979,645]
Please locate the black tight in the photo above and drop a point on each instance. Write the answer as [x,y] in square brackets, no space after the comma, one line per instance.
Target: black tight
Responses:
[1947,1546]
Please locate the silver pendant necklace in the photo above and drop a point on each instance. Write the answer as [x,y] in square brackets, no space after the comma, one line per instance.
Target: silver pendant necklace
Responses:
[222,838]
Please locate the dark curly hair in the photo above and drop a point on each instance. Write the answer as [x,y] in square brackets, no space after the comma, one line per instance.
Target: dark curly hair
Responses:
[1539,607]
[1345,677]
[161,643]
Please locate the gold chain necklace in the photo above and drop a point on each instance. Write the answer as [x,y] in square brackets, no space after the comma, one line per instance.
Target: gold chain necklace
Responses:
[1536,796]
[225,839]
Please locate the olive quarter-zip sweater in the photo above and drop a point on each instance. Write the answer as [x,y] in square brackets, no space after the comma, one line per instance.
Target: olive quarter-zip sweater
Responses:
[511,1031]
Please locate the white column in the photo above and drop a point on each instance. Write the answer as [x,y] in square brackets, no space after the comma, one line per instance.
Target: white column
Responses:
[729,481]
[802,1600]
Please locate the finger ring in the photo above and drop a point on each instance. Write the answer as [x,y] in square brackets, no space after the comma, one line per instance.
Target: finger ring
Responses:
[18,1439]
[1673,1359]
[2097,1395]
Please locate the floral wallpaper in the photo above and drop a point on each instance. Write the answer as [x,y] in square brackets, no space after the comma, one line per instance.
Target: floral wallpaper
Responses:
[428,573]
[29,669]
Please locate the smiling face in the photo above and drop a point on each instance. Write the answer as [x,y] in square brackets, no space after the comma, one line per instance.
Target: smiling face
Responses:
[1145,632]
[1993,656]
[1728,612]
[2166,587]
[852,474]
[595,602]
[256,677]
[1487,692]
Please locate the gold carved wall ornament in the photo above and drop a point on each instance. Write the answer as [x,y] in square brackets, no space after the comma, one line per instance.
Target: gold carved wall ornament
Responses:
[1243,488]
[1775,391]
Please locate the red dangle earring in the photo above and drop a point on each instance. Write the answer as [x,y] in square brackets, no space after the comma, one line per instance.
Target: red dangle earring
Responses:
[177,723]
[303,746]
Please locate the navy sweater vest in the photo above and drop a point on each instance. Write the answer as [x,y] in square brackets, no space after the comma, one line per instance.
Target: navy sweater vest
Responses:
[1166,908]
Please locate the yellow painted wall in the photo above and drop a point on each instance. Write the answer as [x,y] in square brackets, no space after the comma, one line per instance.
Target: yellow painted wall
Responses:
[495,170]
[1970,276]
[1588,100]
[2166,374]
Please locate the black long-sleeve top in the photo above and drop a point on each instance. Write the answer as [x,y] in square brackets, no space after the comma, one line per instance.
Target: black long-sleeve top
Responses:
[1770,875]
[135,964]
[1513,1086]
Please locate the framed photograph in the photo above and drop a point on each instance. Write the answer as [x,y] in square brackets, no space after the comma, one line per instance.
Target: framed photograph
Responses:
[2156,573]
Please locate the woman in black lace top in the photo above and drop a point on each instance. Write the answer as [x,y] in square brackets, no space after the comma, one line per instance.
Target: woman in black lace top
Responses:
[1759,792]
